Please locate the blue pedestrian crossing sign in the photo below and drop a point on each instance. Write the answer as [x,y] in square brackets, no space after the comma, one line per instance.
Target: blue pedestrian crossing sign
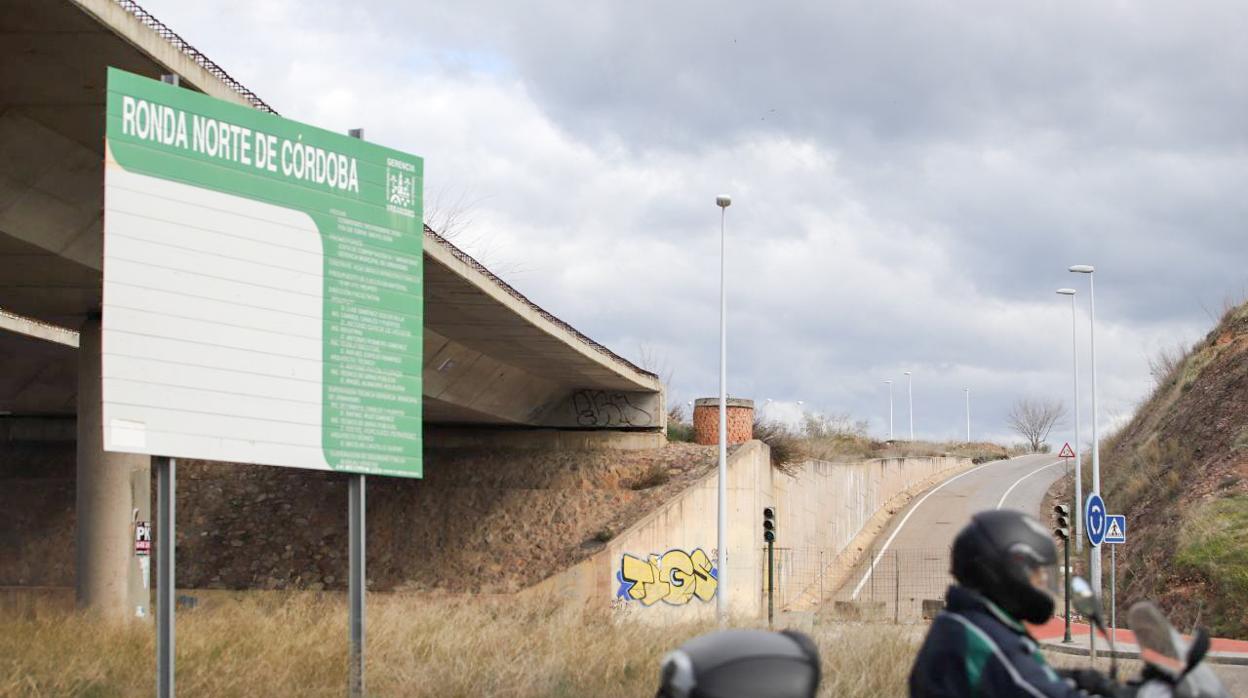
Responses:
[1116,529]
[1094,517]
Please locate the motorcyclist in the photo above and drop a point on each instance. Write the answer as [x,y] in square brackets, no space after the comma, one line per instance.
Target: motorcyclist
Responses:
[1005,564]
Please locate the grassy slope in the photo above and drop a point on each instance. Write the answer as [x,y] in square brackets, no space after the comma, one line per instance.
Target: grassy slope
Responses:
[1179,470]
[279,644]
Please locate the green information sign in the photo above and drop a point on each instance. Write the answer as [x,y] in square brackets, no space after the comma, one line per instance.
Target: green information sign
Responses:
[262,287]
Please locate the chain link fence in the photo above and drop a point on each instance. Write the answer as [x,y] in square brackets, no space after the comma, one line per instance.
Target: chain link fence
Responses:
[903,586]
[897,585]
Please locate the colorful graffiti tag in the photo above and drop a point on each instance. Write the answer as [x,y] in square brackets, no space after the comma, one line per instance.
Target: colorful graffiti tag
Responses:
[674,577]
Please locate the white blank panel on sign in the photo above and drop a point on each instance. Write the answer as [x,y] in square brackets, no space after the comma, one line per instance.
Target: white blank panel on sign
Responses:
[213,343]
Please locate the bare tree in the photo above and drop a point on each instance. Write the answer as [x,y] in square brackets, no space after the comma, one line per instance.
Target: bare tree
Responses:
[450,213]
[1034,419]
[816,425]
[654,361]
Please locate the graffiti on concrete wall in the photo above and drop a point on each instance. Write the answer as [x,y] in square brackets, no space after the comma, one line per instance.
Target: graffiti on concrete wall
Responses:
[675,577]
[607,408]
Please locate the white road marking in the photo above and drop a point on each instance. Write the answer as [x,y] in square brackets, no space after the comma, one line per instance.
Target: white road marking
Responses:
[867,576]
[1020,480]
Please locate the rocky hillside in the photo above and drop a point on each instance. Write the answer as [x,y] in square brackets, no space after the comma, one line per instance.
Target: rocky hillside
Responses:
[1179,470]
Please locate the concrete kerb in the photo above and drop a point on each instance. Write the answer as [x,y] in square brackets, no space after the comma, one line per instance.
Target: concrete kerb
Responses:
[1132,652]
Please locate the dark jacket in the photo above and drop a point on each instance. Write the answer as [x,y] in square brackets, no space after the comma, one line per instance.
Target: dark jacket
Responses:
[976,649]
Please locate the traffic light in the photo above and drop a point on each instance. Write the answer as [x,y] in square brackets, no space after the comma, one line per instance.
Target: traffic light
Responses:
[769,524]
[1063,521]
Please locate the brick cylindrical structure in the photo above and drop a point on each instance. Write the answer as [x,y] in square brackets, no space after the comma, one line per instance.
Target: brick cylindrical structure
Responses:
[706,420]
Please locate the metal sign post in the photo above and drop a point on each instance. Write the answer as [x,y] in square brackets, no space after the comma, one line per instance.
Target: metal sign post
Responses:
[1095,520]
[1113,590]
[1115,535]
[356,546]
[355,517]
[166,503]
[166,541]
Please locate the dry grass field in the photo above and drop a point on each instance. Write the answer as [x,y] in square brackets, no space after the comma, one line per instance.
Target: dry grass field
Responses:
[275,644]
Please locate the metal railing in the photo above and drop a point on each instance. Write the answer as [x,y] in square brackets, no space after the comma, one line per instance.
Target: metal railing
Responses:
[899,585]
[169,35]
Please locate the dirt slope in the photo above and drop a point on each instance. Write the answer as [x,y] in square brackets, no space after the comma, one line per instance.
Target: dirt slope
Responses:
[1179,470]
[480,520]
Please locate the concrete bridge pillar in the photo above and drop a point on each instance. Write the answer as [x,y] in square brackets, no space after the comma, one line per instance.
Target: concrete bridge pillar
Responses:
[113,493]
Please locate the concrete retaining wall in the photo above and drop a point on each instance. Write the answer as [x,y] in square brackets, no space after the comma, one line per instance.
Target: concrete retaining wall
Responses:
[659,568]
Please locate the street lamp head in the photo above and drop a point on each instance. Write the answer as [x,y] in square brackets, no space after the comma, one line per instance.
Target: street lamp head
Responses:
[1066,291]
[906,373]
[888,380]
[723,201]
[1083,268]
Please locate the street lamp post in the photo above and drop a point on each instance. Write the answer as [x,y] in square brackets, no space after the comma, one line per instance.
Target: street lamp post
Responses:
[721,603]
[1074,344]
[890,409]
[968,414]
[1096,444]
[910,398]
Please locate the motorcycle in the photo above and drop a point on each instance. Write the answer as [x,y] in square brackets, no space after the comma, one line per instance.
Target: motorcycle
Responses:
[1172,666]
[763,664]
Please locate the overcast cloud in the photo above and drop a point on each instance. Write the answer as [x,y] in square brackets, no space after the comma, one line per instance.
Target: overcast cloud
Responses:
[909,180]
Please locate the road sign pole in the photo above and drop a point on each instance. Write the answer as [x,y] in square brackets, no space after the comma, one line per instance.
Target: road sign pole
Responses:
[166,542]
[357,540]
[355,516]
[1113,590]
[1091,627]
[166,503]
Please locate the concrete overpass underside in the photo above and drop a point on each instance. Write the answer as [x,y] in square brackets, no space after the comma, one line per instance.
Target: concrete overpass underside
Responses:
[491,357]
[494,362]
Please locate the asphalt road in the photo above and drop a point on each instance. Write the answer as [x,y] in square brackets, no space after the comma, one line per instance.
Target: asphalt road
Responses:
[910,560]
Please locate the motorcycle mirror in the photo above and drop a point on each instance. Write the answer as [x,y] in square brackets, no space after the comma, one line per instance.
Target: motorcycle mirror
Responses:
[1088,603]
[1085,600]
[1196,653]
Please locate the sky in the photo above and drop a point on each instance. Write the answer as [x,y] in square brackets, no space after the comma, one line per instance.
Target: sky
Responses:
[909,180]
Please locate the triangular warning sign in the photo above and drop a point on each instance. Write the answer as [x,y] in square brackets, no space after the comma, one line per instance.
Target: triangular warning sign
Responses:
[1067,452]
[1115,531]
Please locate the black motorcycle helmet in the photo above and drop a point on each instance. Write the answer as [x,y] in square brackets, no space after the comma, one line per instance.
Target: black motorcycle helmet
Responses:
[742,664]
[1010,558]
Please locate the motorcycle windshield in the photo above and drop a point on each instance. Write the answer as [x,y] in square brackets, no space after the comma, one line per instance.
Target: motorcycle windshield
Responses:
[1162,647]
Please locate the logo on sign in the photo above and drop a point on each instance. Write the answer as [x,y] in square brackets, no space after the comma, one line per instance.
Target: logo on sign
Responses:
[1094,514]
[1116,528]
[400,187]
[142,538]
